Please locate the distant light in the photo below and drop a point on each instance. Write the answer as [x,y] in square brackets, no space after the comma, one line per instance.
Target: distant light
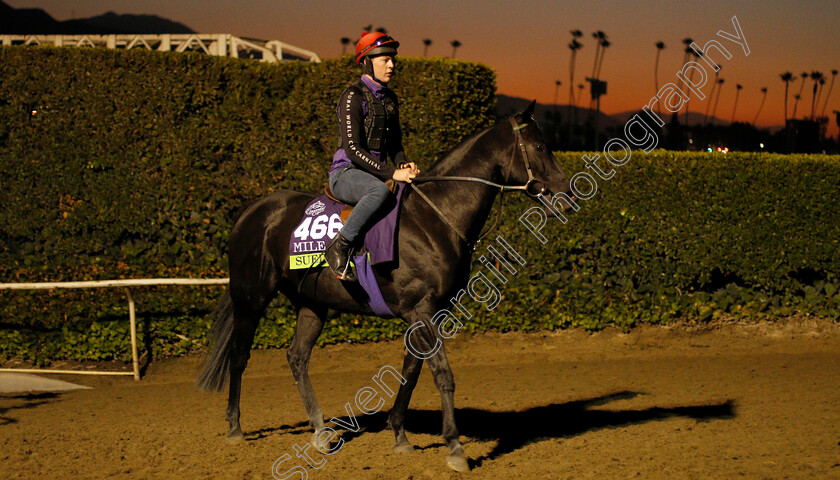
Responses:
[761,145]
[709,149]
[34,112]
[719,149]
[690,140]
[726,150]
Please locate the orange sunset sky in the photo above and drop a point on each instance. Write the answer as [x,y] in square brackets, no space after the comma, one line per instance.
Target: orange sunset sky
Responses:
[525,42]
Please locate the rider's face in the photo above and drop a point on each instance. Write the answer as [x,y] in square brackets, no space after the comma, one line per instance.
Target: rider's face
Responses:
[383,67]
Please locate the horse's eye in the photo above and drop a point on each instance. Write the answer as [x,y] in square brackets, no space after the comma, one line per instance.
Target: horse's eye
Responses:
[540,148]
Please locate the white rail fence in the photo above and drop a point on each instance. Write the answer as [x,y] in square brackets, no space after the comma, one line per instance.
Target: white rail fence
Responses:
[126,284]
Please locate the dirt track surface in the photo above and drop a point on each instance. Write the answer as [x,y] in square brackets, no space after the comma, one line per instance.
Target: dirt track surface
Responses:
[755,401]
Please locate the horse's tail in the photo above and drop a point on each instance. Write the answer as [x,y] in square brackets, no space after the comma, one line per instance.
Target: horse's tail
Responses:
[216,366]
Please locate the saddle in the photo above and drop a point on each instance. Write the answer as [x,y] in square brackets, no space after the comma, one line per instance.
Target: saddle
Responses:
[392,186]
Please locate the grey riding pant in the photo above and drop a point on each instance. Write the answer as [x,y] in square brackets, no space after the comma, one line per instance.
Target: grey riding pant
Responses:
[357,187]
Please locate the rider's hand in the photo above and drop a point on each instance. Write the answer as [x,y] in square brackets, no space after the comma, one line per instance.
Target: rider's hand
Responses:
[405,174]
[414,168]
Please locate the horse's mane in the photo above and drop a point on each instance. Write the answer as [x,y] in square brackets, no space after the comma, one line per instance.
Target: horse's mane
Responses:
[458,150]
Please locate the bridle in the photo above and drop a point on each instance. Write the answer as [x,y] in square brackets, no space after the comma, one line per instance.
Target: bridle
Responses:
[534,187]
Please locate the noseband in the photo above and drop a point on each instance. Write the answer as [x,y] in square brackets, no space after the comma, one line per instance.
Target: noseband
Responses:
[533,187]
[530,187]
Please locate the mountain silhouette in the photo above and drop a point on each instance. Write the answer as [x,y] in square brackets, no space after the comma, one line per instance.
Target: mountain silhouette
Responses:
[507,105]
[148,24]
[22,21]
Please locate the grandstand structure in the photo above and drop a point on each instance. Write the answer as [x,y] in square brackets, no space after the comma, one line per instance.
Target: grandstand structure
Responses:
[216,44]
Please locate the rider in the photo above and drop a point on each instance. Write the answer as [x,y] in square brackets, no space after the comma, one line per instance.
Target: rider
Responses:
[369,132]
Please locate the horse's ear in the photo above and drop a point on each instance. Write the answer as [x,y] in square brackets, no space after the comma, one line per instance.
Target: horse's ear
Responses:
[529,110]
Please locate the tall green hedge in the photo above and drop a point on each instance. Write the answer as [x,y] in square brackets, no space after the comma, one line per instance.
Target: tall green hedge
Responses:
[133,163]
[684,235]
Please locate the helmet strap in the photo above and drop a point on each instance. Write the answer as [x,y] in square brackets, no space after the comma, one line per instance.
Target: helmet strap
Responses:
[367,68]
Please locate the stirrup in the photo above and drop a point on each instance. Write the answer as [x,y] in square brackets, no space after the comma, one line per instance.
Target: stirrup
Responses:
[347,274]
[335,251]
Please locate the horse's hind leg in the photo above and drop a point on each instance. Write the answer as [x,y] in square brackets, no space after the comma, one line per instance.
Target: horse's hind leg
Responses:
[310,322]
[242,337]
[396,419]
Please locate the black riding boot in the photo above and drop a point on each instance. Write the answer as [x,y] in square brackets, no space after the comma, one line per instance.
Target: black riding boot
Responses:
[338,258]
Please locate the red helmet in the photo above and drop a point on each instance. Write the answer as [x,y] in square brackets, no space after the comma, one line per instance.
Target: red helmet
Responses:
[375,43]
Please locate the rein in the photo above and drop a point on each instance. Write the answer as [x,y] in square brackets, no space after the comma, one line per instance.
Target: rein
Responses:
[533,187]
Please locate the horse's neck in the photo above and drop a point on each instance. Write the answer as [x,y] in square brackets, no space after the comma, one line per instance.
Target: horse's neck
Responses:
[467,204]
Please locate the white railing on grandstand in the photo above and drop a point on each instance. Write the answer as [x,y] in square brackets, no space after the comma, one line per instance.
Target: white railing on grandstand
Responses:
[135,359]
[216,44]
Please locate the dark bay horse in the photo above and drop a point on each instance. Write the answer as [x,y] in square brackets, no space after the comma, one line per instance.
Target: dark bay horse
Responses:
[434,253]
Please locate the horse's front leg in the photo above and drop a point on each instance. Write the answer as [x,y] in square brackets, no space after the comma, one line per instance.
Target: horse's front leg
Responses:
[445,382]
[427,340]
[396,419]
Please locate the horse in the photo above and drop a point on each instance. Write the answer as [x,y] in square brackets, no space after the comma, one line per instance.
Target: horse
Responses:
[438,226]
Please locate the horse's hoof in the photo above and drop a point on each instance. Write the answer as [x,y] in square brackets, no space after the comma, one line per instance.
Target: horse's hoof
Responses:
[404,447]
[322,447]
[458,462]
[235,438]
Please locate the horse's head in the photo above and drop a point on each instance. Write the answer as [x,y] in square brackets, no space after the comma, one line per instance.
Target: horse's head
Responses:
[532,164]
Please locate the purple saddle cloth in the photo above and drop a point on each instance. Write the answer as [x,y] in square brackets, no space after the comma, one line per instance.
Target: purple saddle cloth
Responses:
[322,221]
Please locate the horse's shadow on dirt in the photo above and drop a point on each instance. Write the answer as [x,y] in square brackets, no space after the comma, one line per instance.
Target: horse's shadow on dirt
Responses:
[514,429]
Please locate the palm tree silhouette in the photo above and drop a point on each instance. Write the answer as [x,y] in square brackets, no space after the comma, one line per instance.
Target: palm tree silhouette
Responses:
[580,91]
[738,88]
[787,77]
[816,77]
[659,47]
[819,93]
[687,42]
[604,44]
[382,30]
[717,97]
[455,44]
[557,84]
[689,52]
[426,43]
[367,29]
[599,37]
[763,98]
[830,87]
[601,44]
[344,42]
[574,46]
[711,94]
[798,96]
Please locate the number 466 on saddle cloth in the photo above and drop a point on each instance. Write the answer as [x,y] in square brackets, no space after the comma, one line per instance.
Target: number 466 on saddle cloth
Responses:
[321,222]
